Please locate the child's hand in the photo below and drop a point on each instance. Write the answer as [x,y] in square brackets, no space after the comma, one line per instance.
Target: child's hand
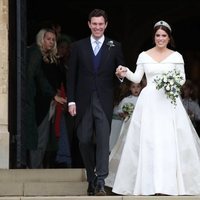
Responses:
[123,115]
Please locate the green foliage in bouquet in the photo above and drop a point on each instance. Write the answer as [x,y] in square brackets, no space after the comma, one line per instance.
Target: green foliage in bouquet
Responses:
[127,108]
[170,82]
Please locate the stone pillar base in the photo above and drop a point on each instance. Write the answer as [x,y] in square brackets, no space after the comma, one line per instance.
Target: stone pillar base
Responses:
[4,134]
[4,148]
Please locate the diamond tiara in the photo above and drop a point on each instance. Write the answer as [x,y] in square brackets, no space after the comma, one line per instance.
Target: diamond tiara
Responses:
[163,23]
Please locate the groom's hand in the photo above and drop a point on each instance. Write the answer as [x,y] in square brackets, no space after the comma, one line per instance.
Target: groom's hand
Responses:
[72,109]
[121,71]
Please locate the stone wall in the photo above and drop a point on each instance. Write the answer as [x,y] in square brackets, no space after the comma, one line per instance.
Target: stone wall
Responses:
[4,134]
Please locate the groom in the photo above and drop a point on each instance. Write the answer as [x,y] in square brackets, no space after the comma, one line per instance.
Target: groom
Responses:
[90,89]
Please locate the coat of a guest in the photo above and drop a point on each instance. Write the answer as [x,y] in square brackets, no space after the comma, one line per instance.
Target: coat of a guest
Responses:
[39,93]
[90,87]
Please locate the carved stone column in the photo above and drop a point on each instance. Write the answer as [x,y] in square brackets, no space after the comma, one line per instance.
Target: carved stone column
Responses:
[4,134]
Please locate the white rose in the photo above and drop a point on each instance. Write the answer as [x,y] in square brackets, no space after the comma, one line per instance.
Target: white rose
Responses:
[167,88]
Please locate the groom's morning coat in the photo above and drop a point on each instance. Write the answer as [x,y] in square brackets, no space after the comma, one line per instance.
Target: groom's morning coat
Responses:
[82,78]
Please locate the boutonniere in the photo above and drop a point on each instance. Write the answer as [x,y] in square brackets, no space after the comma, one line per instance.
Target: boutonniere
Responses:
[110,43]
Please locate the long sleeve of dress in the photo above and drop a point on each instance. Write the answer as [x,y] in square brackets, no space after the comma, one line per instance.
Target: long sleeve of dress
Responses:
[135,77]
[180,66]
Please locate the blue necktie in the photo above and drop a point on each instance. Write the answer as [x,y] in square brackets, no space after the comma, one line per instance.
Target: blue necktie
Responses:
[97,47]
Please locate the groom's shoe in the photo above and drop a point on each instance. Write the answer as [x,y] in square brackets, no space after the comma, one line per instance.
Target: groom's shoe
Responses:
[99,190]
[91,189]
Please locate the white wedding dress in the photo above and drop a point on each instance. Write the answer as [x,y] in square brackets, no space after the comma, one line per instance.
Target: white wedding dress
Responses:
[116,152]
[161,153]
[116,125]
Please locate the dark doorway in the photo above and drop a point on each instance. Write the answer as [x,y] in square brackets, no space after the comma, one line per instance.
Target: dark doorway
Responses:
[17,56]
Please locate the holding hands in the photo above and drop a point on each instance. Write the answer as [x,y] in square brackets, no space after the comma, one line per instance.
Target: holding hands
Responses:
[121,71]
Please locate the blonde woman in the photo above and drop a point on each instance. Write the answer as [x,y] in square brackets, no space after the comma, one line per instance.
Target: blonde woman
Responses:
[41,89]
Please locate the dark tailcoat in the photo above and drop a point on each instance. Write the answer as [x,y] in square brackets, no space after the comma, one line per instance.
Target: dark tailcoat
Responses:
[83,80]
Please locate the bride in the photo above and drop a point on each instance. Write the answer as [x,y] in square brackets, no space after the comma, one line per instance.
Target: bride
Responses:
[161,153]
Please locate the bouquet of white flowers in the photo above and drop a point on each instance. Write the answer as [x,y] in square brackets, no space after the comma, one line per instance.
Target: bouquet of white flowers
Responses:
[170,82]
[127,109]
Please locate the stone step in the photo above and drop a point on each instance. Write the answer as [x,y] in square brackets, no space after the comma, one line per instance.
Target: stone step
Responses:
[43,188]
[58,184]
[42,182]
[42,175]
[104,198]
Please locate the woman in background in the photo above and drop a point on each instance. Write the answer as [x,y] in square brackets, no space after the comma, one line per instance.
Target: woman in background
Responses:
[41,92]
[190,102]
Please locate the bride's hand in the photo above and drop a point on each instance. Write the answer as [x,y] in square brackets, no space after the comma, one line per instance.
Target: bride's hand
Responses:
[121,71]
